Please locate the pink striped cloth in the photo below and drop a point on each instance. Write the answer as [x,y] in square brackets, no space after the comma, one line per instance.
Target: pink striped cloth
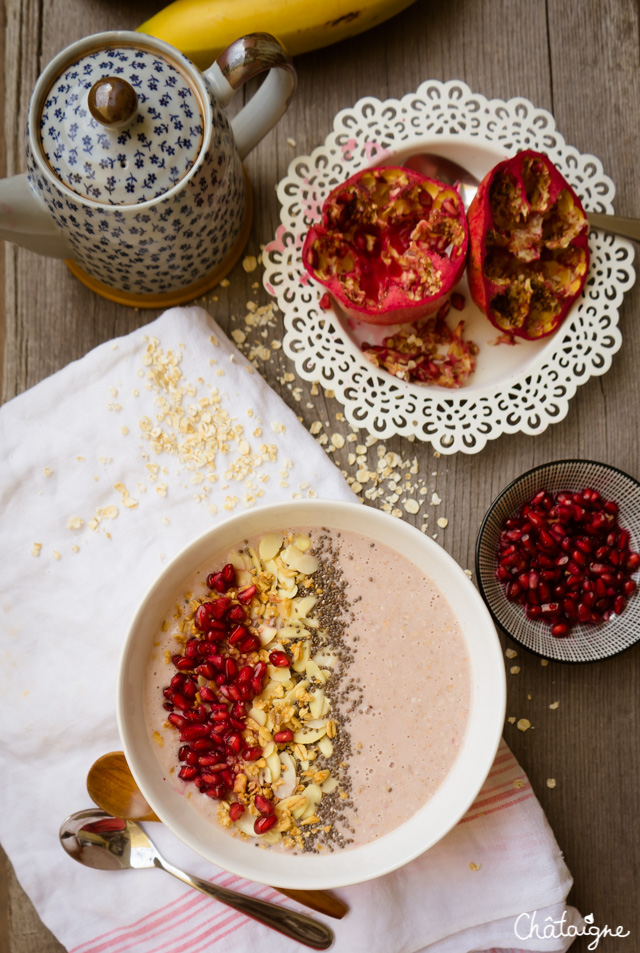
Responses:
[84,533]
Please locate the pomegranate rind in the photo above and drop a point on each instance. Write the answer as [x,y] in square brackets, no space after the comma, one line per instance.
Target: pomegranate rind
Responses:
[528,246]
[390,247]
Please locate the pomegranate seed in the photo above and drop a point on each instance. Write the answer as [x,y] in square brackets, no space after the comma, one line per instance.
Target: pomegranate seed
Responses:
[236,614]
[281,737]
[192,758]
[237,723]
[215,791]
[217,661]
[176,720]
[264,805]
[264,824]
[216,632]
[207,694]
[239,710]
[559,630]
[193,732]
[230,668]
[203,616]
[629,587]
[238,633]
[533,612]
[279,659]
[229,573]
[246,692]
[619,604]
[632,562]
[180,701]
[202,744]
[234,742]
[256,685]
[245,674]
[250,644]
[236,810]
[187,772]
[182,662]
[207,670]
[457,301]
[247,595]
[220,606]
[252,754]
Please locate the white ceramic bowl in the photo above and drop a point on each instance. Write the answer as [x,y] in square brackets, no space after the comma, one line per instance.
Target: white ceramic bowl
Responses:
[432,821]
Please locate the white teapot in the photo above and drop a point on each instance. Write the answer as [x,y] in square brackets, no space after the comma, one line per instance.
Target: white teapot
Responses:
[135,172]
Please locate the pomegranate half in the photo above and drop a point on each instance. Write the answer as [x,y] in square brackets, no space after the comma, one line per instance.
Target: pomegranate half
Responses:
[391,245]
[529,254]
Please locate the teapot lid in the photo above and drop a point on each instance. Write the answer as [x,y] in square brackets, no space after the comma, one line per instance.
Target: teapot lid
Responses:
[121,125]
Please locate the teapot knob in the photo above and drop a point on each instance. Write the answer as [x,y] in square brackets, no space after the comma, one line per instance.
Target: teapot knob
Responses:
[113,102]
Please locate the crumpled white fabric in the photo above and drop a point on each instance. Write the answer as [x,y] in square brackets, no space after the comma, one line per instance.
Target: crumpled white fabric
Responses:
[90,510]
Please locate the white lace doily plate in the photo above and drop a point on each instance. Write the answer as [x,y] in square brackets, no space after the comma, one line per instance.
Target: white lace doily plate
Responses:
[524,387]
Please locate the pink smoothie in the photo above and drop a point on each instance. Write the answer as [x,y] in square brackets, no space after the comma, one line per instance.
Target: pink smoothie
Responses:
[400,693]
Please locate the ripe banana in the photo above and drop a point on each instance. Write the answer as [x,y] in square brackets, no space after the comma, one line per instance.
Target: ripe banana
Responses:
[202,29]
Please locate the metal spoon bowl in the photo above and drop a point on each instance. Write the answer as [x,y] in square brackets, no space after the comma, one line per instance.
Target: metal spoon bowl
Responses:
[449,172]
[96,839]
[113,788]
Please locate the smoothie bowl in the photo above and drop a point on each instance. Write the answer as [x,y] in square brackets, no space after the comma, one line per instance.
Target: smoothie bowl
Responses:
[311,694]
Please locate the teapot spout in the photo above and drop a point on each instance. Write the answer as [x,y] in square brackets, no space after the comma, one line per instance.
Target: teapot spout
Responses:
[25,220]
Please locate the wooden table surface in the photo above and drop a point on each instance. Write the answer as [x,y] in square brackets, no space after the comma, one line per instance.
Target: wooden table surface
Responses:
[580,60]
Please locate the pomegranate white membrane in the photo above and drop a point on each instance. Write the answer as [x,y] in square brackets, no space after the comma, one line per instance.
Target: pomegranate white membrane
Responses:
[309,690]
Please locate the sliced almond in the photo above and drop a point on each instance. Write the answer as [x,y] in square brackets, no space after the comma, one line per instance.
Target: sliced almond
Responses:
[237,560]
[329,786]
[313,794]
[305,737]
[273,763]
[288,775]
[270,546]
[266,633]
[290,698]
[325,747]
[259,716]
[315,706]
[302,607]
[279,674]
[317,723]
[300,663]
[302,542]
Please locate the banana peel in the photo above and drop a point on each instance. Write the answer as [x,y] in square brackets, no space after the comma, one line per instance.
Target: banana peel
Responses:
[202,29]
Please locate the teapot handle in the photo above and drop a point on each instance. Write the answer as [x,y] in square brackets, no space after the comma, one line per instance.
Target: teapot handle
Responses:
[240,62]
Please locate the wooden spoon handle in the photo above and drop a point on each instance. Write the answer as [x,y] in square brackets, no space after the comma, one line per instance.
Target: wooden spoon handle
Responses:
[319,900]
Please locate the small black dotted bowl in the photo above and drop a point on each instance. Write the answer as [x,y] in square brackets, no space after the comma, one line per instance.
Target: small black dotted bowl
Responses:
[585,643]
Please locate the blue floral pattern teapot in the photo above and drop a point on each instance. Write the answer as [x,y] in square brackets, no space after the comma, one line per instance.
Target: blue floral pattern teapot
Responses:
[135,172]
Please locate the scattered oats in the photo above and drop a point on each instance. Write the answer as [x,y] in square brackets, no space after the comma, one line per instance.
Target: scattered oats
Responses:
[75,522]
[124,430]
[109,512]
[356,487]
[250,263]
[554,705]
[329,394]
[443,522]
[361,449]
[511,719]
[411,506]
[276,345]
[161,489]
[437,454]
[523,724]
[56,554]
[36,549]
[515,669]
[467,572]
[135,392]
[75,549]
[435,499]
[544,662]
[473,866]
[510,653]
[47,471]
[519,783]
[278,427]
[238,336]
[314,389]
[551,782]
[225,283]
[292,143]
[337,440]
[424,527]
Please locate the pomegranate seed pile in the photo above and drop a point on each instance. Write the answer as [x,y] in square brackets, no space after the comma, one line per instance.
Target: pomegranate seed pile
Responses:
[428,352]
[250,704]
[211,721]
[567,560]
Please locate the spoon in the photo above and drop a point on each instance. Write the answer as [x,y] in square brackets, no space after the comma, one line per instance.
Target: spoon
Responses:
[437,167]
[113,788]
[96,839]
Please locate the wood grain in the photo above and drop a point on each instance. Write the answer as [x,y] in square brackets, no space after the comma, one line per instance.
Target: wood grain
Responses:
[579,60]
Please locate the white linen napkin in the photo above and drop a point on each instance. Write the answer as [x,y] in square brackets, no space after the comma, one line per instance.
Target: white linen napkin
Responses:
[109,468]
